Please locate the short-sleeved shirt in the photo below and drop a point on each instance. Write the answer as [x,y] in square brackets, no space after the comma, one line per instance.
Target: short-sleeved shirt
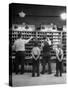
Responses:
[36,51]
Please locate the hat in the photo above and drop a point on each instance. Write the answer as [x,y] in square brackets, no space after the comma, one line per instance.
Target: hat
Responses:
[35,43]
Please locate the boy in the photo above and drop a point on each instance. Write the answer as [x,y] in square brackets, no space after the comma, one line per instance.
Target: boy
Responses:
[59,58]
[35,59]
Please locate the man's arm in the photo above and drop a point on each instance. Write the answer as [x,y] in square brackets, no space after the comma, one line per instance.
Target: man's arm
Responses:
[33,54]
[26,41]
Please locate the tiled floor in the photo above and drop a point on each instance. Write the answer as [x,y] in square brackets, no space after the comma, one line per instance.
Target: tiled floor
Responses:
[27,80]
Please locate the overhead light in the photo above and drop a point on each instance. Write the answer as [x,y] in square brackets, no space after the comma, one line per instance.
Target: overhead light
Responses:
[22,14]
[63,16]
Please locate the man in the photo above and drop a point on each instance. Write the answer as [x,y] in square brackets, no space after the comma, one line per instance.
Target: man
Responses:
[46,54]
[59,58]
[19,47]
[35,59]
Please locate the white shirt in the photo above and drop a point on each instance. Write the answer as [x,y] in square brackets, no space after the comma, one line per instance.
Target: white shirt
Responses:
[35,51]
[19,44]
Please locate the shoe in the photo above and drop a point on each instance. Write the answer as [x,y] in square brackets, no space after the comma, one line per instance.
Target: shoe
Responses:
[16,73]
[38,74]
[60,75]
[22,73]
[42,72]
[56,75]
[49,72]
[33,75]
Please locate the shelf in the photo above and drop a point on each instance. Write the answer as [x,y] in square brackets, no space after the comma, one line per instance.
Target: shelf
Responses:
[54,37]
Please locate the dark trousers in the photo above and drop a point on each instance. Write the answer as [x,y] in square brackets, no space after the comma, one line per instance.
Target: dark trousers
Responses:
[10,71]
[35,67]
[46,60]
[58,68]
[19,60]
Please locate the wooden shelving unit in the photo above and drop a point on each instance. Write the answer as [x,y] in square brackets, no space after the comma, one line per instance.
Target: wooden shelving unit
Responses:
[55,37]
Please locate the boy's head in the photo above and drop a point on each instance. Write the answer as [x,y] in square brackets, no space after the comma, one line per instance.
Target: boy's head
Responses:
[35,44]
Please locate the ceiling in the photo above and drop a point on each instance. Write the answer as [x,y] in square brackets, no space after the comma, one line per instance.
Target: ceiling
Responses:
[34,13]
